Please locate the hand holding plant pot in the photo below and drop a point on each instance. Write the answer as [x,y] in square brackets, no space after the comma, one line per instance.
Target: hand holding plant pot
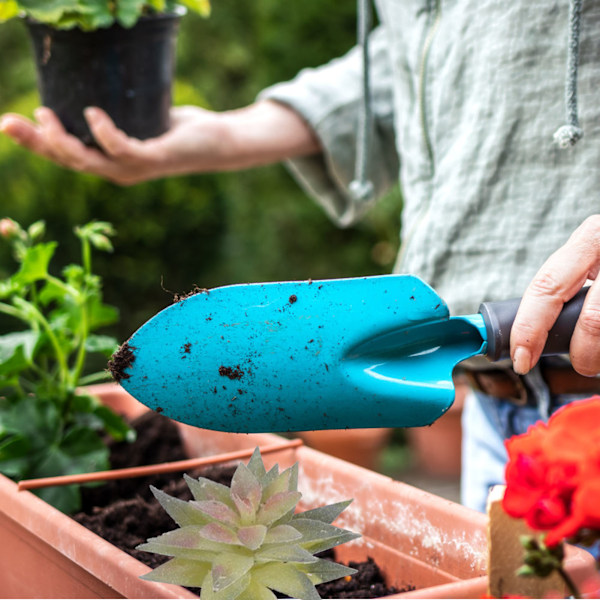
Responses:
[47,425]
[117,55]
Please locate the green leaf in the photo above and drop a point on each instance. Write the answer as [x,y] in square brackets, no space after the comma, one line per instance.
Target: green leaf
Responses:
[257,591]
[100,314]
[180,571]
[51,292]
[252,536]
[15,456]
[326,514]
[217,511]
[114,424]
[285,554]
[246,492]
[282,534]
[286,481]
[186,542]
[8,10]
[277,507]
[104,344]
[325,570]
[228,569]
[35,263]
[202,7]
[17,350]
[318,536]
[229,593]
[205,489]
[256,465]
[286,579]
[182,512]
[217,532]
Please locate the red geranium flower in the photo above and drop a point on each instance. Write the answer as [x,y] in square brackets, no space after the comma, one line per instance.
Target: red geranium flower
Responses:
[553,473]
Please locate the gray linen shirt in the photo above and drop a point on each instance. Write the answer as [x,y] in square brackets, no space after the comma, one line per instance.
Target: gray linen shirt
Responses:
[467,95]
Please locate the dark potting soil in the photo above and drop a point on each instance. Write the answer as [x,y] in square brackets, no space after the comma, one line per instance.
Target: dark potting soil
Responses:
[125,513]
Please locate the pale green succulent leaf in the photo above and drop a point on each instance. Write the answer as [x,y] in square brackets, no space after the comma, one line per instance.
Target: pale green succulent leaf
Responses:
[220,533]
[205,489]
[292,553]
[252,536]
[323,571]
[326,514]
[186,542]
[282,534]
[217,511]
[277,507]
[228,569]
[182,512]
[257,591]
[318,536]
[180,571]
[271,474]
[246,492]
[229,593]
[256,466]
[286,579]
[282,483]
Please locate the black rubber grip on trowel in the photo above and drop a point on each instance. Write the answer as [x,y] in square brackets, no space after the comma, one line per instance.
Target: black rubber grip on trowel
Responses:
[499,317]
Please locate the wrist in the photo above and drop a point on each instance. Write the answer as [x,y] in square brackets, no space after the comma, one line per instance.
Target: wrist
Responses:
[263,133]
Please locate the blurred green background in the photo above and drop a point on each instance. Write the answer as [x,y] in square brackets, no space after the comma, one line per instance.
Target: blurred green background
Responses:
[204,230]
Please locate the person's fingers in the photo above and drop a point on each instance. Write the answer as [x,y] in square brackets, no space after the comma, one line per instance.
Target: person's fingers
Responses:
[559,279]
[64,147]
[585,343]
[24,132]
[113,140]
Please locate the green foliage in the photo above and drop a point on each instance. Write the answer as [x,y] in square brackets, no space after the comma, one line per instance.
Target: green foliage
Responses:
[245,541]
[93,14]
[47,426]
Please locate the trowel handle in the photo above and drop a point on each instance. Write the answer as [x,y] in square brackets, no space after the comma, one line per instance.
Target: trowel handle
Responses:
[499,317]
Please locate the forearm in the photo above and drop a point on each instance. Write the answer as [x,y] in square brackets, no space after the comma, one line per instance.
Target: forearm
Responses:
[263,133]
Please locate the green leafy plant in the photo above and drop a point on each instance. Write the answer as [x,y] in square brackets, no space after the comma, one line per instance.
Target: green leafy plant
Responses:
[92,14]
[246,541]
[48,426]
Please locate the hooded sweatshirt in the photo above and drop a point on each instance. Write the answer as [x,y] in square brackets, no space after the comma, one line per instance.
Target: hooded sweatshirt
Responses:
[466,96]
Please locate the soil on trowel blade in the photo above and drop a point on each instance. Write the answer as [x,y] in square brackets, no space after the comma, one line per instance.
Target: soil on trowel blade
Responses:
[125,513]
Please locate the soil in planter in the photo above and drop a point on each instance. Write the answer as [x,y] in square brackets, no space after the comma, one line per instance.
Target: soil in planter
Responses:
[125,513]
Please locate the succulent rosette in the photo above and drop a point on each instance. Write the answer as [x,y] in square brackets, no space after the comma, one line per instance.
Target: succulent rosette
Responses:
[247,541]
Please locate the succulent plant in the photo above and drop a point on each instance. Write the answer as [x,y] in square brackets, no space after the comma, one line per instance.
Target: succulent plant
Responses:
[246,541]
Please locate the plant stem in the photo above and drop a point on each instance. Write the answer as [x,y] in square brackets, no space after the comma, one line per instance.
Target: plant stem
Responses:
[7,309]
[574,592]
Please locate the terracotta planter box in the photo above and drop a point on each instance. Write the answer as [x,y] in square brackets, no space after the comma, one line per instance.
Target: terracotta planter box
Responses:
[416,538]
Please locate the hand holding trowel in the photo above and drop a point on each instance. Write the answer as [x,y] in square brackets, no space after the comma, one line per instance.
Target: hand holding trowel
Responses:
[293,356]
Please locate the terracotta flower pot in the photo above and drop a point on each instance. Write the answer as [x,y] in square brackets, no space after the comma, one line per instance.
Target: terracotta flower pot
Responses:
[362,447]
[416,538]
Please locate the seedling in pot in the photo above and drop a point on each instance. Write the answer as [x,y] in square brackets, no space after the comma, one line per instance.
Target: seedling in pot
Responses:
[48,425]
[246,542]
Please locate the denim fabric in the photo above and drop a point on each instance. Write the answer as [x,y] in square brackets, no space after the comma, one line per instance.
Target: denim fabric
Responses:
[487,422]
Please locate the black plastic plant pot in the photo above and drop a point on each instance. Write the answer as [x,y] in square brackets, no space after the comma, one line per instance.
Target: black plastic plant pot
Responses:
[126,72]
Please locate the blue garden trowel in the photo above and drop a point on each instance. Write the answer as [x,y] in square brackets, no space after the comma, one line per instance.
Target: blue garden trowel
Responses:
[302,355]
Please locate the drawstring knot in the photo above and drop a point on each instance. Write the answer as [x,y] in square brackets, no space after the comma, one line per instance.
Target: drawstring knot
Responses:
[568,135]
